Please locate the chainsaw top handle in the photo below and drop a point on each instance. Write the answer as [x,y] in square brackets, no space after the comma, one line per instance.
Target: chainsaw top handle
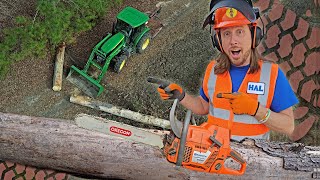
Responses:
[183,139]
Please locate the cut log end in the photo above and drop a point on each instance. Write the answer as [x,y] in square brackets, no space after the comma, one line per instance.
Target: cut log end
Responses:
[56,88]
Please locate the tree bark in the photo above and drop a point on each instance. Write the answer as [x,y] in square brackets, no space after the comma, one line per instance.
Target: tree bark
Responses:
[62,146]
[58,70]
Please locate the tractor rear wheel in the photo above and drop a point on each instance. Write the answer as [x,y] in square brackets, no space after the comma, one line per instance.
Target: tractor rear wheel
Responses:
[119,64]
[143,43]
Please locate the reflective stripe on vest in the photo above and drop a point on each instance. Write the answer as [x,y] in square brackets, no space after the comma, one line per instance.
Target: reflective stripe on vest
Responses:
[265,78]
[243,125]
[212,83]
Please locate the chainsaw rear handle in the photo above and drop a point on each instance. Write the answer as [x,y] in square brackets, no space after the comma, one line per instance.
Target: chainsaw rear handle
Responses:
[237,157]
[239,172]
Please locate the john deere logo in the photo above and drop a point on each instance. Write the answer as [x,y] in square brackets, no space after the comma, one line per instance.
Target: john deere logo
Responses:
[231,12]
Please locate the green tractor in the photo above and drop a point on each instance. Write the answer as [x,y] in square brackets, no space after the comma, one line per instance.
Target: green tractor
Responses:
[129,35]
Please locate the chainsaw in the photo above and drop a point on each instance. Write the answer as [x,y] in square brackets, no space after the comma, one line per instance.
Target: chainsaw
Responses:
[201,148]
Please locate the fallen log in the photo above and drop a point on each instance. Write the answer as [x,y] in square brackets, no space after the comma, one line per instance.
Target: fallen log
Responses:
[109,108]
[58,69]
[62,146]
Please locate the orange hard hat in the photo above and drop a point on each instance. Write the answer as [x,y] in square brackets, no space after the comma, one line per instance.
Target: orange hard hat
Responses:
[226,13]
[227,17]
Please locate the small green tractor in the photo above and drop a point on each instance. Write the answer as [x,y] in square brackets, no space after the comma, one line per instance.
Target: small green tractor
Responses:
[129,35]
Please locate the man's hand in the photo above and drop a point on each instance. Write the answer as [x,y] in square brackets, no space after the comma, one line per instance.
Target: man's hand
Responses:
[241,103]
[168,90]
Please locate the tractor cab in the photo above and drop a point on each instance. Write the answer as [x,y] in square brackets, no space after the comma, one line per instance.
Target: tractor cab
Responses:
[130,22]
[123,27]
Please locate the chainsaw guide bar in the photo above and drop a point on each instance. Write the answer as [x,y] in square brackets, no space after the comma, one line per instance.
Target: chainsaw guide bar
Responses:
[121,130]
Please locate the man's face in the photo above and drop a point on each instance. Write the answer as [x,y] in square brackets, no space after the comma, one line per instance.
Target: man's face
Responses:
[236,43]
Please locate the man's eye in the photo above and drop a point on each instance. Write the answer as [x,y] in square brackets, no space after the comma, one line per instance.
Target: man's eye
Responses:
[226,33]
[240,31]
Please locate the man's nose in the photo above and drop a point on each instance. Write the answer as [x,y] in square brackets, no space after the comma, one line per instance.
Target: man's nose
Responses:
[233,39]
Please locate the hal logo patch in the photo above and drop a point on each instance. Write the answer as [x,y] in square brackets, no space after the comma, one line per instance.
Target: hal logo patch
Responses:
[255,88]
[231,12]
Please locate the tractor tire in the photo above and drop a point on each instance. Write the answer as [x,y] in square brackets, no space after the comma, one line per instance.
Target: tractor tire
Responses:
[143,43]
[119,64]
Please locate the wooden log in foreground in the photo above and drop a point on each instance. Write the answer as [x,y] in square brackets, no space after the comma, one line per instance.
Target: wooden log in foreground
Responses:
[62,146]
[109,108]
[58,69]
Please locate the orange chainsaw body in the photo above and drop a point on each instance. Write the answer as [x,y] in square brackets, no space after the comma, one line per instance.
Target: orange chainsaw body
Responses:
[206,149]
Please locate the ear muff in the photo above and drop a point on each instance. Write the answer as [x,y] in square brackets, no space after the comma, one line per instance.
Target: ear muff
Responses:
[216,41]
[256,32]
[256,35]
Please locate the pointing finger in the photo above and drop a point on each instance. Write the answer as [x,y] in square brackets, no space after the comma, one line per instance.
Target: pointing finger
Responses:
[226,95]
[160,82]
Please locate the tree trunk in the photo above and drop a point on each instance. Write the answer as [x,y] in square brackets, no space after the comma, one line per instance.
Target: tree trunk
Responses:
[62,146]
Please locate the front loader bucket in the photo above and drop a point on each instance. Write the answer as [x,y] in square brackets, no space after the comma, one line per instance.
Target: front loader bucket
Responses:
[84,82]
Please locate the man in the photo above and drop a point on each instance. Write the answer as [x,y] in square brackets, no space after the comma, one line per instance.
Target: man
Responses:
[238,87]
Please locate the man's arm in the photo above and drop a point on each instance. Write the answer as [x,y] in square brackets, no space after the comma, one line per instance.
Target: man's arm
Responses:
[196,104]
[282,121]
[242,103]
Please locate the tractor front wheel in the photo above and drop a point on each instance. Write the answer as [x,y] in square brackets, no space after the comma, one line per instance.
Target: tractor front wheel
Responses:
[121,61]
[143,43]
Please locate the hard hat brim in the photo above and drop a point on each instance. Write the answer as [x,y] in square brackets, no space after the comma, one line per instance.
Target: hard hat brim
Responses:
[230,24]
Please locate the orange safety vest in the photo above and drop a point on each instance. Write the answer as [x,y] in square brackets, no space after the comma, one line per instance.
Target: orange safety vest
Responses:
[220,112]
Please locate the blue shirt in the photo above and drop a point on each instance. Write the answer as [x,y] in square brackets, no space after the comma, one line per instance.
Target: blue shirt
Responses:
[283,98]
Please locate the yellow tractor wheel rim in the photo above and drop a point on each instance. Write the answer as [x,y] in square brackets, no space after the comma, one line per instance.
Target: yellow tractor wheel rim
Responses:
[145,44]
[122,64]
